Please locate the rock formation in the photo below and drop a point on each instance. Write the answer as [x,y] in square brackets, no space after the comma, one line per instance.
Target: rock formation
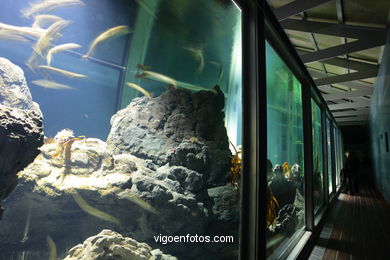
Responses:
[164,170]
[21,131]
[108,245]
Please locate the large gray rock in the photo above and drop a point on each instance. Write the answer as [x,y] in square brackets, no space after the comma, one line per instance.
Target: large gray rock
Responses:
[21,131]
[179,128]
[14,91]
[109,245]
[20,137]
[142,191]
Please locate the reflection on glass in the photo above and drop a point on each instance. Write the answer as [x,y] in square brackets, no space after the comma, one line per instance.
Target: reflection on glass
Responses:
[338,155]
[285,155]
[318,174]
[164,170]
[329,152]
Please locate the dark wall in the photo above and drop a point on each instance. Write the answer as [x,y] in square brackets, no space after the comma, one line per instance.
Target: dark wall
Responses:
[380,124]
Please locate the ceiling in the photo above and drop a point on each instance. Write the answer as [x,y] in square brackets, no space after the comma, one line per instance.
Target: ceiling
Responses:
[341,43]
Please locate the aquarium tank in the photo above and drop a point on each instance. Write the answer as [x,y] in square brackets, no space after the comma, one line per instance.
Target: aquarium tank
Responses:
[133,128]
[286,204]
[318,168]
[329,155]
[338,162]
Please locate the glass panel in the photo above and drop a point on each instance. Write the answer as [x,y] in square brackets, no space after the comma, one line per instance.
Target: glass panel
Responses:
[165,169]
[318,173]
[337,156]
[329,151]
[285,155]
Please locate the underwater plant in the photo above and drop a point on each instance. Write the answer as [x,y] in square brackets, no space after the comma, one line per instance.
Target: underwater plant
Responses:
[65,138]
[272,208]
[236,166]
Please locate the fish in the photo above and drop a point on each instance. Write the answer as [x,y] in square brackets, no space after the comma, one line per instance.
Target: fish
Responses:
[93,211]
[157,77]
[51,34]
[192,87]
[197,54]
[10,36]
[33,61]
[220,72]
[140,202]
[45,6]
[58,48]
[52,248]
[26,227]
[62,72]
[110,34]
[21,30]
[50,84]
[146,8]
[44,19]
[170,81]
[140,89]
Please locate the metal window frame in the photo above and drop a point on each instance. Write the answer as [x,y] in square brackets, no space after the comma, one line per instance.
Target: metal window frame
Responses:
[259,24]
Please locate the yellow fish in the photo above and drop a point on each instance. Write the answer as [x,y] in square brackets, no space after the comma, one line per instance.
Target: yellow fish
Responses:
[140,89]
[52,248]
[93,211]
[197,54]
[110,34]
[50,84]
[157,77]
[58,48]
[62,72]
[140,202]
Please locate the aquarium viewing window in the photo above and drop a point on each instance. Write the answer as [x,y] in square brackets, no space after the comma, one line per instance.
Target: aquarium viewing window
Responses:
[178,129]
[318,174]
[285,173]
[329,155]
[142,117]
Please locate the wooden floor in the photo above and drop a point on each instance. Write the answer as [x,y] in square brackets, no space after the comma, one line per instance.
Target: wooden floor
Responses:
[358,227]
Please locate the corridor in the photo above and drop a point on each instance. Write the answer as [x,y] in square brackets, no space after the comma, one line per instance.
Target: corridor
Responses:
[357,227]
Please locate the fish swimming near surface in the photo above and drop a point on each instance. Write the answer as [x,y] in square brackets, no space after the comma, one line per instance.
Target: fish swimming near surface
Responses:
[140,89]
[52,33]
[45,6]
[42,20]
[59,48]
[50,84]
[62,72]
[197,54]
[93,211]
[52,248]
[110,34]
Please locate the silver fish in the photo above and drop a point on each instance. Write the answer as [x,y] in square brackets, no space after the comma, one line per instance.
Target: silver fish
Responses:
[50,84]
[59,48]
[45,6]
